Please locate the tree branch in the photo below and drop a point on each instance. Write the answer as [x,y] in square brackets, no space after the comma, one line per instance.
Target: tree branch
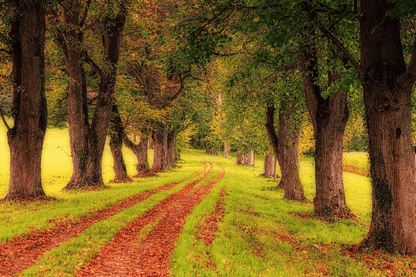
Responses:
[409,77]
[94,66]
[341,47]
[4,120]
[271,131]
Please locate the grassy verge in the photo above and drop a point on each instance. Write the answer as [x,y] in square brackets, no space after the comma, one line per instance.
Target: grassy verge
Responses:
[356,162]
[262,236]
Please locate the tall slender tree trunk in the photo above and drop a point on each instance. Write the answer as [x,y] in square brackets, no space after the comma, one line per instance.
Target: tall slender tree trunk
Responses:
[329,117]
[116,145]
[160,143]
[141,153]
[171,157]
[26,138]
[285,144]
[387,97]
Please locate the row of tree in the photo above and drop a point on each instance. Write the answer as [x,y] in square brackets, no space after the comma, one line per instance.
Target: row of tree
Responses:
[259,57]
[338,48]
[68,52]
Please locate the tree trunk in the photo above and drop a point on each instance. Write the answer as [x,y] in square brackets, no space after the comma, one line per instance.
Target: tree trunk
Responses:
[286,148]
[227,150]
[88,141]
[240,159]
[116,145]
[387,97]
[249,158]
[160,141]
[171,147]
[140,151]
[329,117]
[269,165]
[29,112]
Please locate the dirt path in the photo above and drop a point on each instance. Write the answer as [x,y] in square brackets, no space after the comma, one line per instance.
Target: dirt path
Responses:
[127,255]
[23,251]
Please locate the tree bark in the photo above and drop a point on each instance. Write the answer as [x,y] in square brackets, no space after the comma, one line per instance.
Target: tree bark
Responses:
[140,151]
[387,97]
[240,159]
[116,145]
[249,158]
[285,144]
[269,165]
[171,148]
[160,142]
[29,112]
[329,117]
[88,140]
[227,150]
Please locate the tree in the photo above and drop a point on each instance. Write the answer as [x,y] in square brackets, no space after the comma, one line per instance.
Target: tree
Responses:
[387,84]
[25,138]
[88,138]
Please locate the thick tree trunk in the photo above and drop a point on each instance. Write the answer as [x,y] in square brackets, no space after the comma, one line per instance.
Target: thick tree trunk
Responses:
[29,103]
[249,158]
[387,97]
[227,150]
[286,148]
[116,145]
[88,141]
[140,151]
[160,141]
[329,117]
[269,166]
[288,155]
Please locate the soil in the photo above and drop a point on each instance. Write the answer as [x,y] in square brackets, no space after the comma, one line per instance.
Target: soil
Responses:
[23,251]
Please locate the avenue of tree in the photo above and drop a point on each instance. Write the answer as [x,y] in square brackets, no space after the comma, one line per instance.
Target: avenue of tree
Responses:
[247,76]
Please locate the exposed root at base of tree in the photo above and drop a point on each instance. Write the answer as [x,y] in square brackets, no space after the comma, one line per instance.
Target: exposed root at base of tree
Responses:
[125,180]
[18,197]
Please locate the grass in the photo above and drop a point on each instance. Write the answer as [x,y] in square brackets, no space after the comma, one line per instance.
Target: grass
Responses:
[261,237]
[260,234]
[356,162]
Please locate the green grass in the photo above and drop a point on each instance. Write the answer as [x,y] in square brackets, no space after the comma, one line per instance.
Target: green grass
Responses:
[259,236]
[248,241]
[356,162]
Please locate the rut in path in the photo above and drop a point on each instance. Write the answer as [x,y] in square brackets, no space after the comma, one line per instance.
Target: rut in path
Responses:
[23,251]
[126,256]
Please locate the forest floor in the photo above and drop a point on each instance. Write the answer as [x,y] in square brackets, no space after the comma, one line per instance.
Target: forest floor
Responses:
[214,219]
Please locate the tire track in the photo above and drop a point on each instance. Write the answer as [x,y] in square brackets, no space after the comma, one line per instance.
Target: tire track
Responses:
[21,252]
[126,256]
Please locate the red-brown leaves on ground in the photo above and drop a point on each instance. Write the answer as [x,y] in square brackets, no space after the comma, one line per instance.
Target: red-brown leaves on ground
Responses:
[207,229]
[125,256]
[23,251]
